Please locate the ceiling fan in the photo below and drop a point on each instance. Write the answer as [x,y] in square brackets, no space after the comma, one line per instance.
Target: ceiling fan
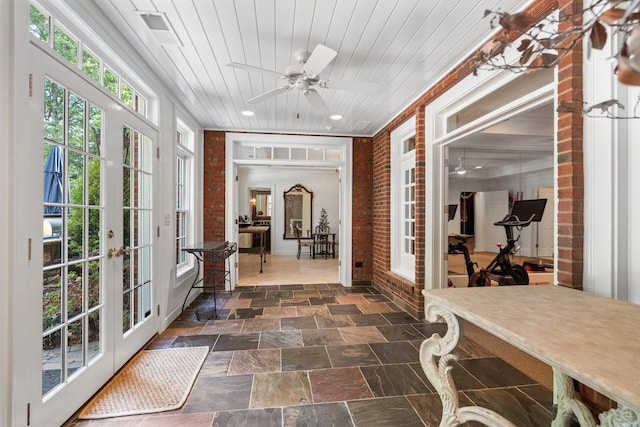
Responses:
[460,169]
[305,76]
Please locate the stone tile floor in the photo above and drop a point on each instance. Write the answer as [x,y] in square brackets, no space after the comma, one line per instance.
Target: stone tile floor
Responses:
[324,355]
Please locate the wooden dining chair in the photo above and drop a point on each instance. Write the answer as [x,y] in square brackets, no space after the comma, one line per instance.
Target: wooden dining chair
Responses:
[303,243]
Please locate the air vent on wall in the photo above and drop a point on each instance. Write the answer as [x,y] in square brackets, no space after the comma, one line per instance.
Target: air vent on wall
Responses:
[155,22]
[160,27]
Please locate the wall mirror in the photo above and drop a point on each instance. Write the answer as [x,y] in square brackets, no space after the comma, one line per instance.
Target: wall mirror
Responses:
[297,211]
[260,203]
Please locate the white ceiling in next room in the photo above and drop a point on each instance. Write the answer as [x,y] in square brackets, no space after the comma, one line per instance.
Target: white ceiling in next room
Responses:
[521,144]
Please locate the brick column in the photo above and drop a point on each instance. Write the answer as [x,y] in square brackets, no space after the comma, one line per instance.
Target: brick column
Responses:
[570,215]
[362,211]
[213,192]
[213,182]
[381,204]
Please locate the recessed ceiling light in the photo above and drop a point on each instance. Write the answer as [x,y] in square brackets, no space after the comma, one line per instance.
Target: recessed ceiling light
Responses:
[335,117]
[248,113]
[478,167]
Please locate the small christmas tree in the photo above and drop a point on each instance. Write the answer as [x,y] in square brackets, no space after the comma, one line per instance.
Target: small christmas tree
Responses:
[323,223]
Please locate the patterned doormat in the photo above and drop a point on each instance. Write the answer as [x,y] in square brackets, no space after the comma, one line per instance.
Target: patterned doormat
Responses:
[153,381]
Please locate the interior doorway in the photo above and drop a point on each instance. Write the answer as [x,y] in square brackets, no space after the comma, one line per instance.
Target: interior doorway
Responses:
[490,133]
[278,163]
[314,189]
[489,170]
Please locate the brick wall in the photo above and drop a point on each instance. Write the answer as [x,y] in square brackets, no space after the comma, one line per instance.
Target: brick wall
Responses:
[213,182]
[213,203]
[362,211]
[570,181]
[381,206]
[404,292]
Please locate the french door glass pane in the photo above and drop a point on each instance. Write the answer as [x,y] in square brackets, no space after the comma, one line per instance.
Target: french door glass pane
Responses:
[76,119]
[94,232]
[51,361]
[94,335]
[76,177]
[137,227]
[75,233]
[52,296]
[72,249]
[54,111]
[95,128]
[75,346]
[75,290]
[95,296]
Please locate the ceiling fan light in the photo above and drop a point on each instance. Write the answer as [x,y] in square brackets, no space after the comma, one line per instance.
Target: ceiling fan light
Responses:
[247,113]
[461,171]
[335,117]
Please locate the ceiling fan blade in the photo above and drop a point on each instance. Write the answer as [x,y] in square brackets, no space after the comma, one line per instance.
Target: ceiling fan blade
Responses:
[316,101]
[268,94]
[351,85]
[320,58]
[255,69]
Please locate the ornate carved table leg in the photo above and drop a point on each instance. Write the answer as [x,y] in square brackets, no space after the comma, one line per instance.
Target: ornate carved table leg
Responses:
[439,373]
[568,405]
[621,416]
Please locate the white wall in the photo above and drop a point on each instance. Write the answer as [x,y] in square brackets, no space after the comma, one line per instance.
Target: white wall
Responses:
[611,173]
[6,149]
[527,183]
[322,182]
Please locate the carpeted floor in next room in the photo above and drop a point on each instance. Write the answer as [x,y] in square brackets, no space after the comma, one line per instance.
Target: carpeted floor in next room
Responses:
[324,355]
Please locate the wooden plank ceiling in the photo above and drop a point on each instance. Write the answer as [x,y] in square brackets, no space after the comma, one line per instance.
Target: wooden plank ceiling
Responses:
[403,46]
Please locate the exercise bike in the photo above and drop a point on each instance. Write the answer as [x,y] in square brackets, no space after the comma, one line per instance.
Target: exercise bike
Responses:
[460,247]
[500,268]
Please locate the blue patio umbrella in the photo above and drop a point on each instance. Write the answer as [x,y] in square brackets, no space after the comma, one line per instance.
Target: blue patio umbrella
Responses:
[53,177]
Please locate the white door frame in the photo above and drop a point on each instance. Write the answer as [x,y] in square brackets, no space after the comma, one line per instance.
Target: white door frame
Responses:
[469,90]
[345,166]
[28,227]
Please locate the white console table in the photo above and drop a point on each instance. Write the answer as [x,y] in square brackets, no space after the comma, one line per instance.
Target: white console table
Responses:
[592,339]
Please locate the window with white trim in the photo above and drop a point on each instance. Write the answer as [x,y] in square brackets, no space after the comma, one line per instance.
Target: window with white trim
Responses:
[184,194]
[51,32]
[403,199]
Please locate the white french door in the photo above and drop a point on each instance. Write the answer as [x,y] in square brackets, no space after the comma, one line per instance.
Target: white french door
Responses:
[91,275]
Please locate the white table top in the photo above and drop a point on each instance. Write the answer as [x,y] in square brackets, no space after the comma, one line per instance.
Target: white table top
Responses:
[593,339]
